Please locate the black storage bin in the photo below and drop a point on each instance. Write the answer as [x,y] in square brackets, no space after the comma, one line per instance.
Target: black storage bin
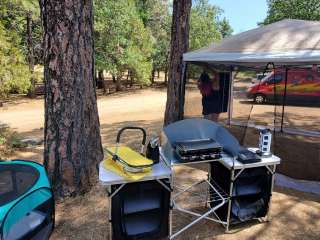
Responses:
[141,211]
[250,195]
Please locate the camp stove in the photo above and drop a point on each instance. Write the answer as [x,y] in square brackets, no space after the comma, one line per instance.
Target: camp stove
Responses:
[197,150]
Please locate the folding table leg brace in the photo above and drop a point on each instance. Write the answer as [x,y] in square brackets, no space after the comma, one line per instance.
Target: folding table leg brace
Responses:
[221,197]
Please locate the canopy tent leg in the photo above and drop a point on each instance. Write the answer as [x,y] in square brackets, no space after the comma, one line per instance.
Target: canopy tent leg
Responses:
[230,102]
[284,98]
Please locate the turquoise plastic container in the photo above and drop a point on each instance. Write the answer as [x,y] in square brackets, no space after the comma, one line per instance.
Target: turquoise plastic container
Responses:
[26,201]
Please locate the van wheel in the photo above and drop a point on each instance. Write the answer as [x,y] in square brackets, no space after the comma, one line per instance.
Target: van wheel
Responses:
[259,98]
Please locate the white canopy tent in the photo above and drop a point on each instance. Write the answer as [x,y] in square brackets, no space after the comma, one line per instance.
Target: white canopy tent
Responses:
[287,43]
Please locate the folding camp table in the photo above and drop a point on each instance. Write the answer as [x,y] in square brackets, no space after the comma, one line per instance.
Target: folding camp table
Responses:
[212,193]
[237,168]
[159,173]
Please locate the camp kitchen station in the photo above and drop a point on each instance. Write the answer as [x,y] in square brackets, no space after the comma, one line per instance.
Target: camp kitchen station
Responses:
[237,187]
[141,185]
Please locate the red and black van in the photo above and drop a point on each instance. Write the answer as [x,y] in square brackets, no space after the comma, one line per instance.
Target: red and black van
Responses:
[303,86]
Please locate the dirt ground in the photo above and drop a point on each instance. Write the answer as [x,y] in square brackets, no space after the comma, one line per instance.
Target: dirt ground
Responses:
[300,154]
[294,215]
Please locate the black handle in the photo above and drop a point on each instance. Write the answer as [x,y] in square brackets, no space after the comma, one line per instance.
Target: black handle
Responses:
[133,128]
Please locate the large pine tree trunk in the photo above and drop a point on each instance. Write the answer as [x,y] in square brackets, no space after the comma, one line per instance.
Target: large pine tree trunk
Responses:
[179,45]
[73,147]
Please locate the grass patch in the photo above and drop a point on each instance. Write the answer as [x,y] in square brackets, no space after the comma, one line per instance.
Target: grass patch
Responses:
[9,141]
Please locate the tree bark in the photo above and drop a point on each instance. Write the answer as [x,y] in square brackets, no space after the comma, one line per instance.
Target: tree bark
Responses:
[72,148]
[131,79]
[166,75]
[102,82]
[179,45]
[118,83]
[128,75]
[152,76]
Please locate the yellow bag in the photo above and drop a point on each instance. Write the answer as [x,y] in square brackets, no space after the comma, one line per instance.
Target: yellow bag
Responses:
[126,162]
[133,157]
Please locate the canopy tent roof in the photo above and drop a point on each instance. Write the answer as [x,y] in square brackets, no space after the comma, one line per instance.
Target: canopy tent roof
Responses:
[287,42]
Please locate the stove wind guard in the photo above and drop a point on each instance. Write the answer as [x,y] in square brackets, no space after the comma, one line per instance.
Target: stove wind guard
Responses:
[197,150]
[191,140]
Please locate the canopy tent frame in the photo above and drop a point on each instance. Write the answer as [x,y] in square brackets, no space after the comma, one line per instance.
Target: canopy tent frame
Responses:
[230,121]
[251,50]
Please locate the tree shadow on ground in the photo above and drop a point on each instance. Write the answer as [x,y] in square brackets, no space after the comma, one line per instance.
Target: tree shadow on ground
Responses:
[300,119]
[299,154]
[131,138]
[85,217]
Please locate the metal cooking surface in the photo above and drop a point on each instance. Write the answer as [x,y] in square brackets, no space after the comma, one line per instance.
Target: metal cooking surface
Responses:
[197,150]
[197,145]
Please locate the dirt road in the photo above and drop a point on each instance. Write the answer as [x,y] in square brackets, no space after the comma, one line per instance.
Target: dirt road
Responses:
[27,116]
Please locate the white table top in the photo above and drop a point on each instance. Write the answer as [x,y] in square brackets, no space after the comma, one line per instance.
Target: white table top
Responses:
[230,162]
[159,171]
[227,161]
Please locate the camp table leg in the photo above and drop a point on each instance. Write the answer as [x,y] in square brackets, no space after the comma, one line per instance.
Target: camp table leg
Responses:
[109,212]
[111,195]
[272,170]
[171,203]
[230,199]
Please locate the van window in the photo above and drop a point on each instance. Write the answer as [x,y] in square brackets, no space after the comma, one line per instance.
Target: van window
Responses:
[277,79]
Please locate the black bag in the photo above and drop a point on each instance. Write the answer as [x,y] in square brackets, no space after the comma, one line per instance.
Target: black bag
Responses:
[152,151]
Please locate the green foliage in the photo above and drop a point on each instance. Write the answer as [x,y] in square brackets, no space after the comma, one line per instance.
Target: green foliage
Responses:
[14,73]
[225,28]
[129,35]
[155,16]
[292,9]
[139,66]
[205,28]
[9,140]
[121,40]
[13,15]
[204,25]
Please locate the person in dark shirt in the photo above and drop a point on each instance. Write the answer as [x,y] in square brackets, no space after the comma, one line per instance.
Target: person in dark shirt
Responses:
[209,89]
